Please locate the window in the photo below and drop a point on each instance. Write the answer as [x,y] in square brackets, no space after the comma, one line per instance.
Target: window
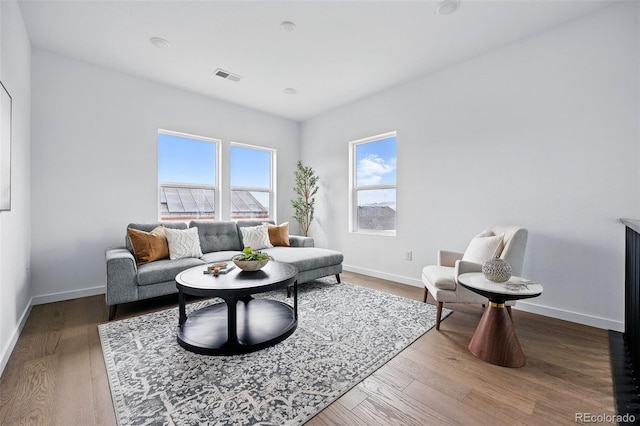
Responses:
[373,184]
[252,195]
[187,176]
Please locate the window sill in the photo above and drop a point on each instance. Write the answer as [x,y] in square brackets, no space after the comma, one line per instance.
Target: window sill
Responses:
[373,232]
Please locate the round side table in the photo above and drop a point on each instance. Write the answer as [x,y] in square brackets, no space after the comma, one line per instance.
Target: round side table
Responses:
[495,340]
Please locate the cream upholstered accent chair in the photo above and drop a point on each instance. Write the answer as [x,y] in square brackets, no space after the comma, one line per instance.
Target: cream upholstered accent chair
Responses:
[441,280]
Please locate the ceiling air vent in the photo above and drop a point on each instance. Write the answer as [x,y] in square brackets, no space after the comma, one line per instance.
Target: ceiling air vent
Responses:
[227,75]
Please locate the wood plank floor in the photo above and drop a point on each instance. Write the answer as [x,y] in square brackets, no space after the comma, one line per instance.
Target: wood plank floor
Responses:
[56,374]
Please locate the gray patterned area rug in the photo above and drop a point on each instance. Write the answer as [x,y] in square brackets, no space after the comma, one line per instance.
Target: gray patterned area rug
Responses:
[345,332]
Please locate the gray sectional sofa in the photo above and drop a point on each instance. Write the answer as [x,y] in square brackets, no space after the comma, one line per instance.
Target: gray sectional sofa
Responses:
[219,240]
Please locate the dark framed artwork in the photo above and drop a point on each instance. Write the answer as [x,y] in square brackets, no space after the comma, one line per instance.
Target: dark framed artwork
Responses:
[5,148]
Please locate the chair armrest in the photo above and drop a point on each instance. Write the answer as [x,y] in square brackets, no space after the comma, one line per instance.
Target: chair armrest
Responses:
[122,279]
[464,266]
[300,241]
[448,258]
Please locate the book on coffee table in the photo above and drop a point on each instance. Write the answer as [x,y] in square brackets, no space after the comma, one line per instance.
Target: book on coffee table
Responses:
[219,268]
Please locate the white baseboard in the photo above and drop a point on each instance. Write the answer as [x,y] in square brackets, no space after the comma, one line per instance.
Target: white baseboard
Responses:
[577,317]
[590,320]
[39,300]
[8,349]
[67,295]
[383,275]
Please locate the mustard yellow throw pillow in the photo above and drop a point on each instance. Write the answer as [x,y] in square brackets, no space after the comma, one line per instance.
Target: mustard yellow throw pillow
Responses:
[149,246]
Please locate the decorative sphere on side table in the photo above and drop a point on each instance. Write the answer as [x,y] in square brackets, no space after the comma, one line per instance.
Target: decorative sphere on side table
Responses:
[497,270]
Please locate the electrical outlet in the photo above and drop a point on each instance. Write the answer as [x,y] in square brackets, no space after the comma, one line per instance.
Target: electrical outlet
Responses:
[408,255]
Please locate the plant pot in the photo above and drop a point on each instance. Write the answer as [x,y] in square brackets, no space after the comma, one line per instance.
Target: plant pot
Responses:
[251,265]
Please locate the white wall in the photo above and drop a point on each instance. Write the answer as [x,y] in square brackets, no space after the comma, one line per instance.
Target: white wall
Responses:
[542,133]
[95,162]
[15,231]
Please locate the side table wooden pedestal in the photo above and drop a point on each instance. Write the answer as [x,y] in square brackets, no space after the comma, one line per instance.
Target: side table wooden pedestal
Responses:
[495,340]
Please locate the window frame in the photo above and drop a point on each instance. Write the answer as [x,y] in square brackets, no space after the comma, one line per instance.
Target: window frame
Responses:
[354,188]
[217,208]
[272,180]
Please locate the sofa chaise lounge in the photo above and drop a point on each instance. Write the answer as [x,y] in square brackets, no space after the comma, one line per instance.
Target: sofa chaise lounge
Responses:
[219,241]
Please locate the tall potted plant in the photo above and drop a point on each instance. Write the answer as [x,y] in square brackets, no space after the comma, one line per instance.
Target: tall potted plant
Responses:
[306,188]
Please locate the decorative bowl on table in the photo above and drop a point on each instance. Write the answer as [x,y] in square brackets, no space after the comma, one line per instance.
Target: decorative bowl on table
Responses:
[250,260]
[251,265]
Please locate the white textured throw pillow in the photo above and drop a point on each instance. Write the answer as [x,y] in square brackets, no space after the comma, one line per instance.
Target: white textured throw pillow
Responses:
[483,247]
[256,237]
[183,243]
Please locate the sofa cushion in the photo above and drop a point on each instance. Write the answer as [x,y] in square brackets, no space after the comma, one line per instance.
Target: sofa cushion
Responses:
[183,243]
[149,246]
[442,277]
[305,258]
[217,235]
[148,227]
[164,270]
[218,256]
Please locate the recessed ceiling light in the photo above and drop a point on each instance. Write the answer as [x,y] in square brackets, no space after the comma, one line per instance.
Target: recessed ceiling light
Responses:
[287,26]
[158,42]
[290,91]
[447,7]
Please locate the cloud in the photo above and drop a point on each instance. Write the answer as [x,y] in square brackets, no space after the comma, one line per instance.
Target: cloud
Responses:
[372,168]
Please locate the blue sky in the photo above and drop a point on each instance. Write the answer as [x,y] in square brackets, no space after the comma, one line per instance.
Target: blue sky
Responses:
[186,160]
[250,167]
[376,162]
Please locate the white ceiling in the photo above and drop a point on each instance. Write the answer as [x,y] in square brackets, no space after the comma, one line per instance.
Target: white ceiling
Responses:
[340,51]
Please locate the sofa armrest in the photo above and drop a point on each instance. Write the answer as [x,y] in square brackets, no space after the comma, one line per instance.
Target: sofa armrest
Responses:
[300,241]
[122,280]
[464,266]
[448,258]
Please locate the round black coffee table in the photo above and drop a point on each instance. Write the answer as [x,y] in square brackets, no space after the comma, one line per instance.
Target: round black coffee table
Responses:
[241,324]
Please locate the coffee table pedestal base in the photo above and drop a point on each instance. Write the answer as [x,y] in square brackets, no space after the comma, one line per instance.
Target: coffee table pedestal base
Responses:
[260,323]
[495,340]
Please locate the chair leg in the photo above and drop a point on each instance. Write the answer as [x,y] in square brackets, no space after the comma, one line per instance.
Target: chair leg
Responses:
[338,278]
[510,314]
[288,292]
[438,314]
[112,312]
[426,294]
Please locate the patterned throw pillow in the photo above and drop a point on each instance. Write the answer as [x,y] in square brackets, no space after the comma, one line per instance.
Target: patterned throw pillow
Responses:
[256,237]
[183,243]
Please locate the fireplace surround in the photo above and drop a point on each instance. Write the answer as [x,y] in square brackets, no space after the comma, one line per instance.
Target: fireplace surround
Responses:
[625,347]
